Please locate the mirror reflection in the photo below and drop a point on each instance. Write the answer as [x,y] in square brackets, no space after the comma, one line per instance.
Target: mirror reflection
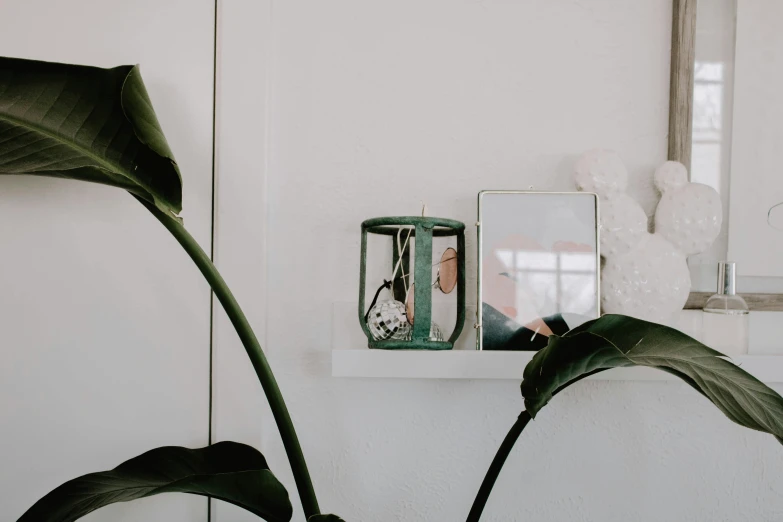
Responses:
[737,130]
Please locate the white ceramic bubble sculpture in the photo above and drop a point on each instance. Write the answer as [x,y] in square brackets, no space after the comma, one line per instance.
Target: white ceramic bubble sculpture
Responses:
[646,275]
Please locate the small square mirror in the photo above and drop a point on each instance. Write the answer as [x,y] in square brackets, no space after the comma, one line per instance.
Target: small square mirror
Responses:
[538,266]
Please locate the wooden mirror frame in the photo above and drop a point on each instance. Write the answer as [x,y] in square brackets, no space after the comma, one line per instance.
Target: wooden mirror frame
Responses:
[681,125]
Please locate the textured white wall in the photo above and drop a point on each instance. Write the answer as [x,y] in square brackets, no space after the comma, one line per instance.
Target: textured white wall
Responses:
[376,105]
[104,320]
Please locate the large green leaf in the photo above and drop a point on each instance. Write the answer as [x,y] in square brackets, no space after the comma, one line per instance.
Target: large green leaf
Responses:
[615,341]
[85,123]
[228,471]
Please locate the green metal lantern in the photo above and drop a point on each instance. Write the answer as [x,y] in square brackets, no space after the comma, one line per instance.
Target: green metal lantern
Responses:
[390,325]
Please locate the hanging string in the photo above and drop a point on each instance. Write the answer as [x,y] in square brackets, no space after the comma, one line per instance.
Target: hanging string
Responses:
[386,284]
[403,275]
[400,250]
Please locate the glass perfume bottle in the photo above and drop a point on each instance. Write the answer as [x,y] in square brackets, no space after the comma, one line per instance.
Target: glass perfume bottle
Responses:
[726,318]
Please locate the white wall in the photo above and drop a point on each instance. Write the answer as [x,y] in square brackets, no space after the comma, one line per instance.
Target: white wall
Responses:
[372,106]
[105,321]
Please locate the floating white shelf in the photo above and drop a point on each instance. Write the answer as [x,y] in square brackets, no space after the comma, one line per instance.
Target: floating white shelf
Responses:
[472,364]
[467,363]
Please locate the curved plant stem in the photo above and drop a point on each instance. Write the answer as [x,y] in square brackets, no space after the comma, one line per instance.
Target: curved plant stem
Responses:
[496,466]
[505,448]
[290,441]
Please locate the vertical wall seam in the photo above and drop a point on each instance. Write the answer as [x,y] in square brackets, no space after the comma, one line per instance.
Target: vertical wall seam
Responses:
[212,232]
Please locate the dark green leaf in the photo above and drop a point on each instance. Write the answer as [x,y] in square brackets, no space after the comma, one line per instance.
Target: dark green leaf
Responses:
[325,518]
[615,341]
[85,123]
[228,471]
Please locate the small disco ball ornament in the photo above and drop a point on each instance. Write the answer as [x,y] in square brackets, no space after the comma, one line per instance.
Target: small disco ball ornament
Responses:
[387,320]
[435,333]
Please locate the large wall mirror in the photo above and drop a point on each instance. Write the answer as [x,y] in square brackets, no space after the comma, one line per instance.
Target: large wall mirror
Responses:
[726,126]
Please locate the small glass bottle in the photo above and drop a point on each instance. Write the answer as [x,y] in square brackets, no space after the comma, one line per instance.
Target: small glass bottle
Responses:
[726,318]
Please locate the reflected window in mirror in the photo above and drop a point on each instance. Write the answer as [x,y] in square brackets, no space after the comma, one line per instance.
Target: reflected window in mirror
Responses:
[708,101]
[713,95]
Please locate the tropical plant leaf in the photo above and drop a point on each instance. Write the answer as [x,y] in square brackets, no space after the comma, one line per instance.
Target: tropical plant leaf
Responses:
[85,123]
[325,518]
[614,341]
[228,471]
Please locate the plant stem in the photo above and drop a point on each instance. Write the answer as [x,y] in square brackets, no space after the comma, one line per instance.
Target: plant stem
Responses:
[290,441]
[496,466]
[505,449]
